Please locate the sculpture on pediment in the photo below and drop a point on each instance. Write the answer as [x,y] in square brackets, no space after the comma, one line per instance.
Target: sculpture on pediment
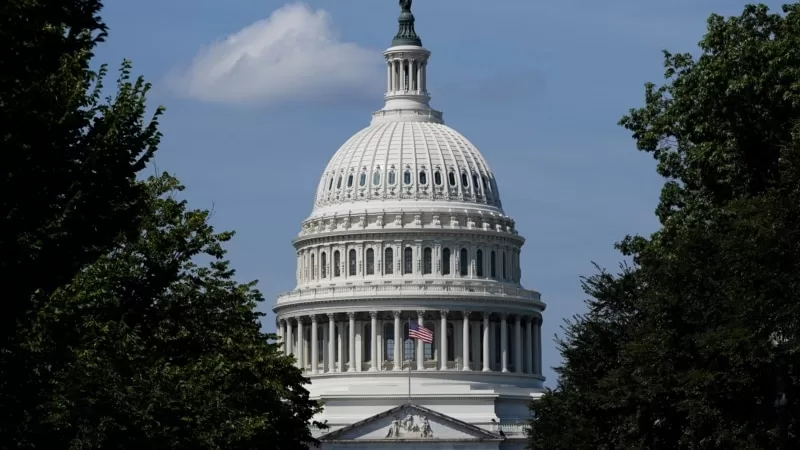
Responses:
[410,426]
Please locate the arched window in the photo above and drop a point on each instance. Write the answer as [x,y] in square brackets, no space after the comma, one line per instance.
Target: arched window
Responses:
[408,262]
[350,180]
[479,263]
[445,261]
[392,178]
[352,262]
[475,183]
[423,177]
[452,178]
[464,263]
[313,267]
[483,179]
[511,352]
[451,342]
[336,262]
[429,350]
[498,345]
[388,261]
[437,178]
[323,265]
[409,346]
[427,261]
[504,266]
[388,348]
[320,345]
[367,343]
[330,185]
[492,265]
[407,177]
[339,182]
[376,178]
[370,261]
[464,179]
[362,180]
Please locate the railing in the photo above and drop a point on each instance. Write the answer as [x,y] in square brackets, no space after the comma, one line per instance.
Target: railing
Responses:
[411,290]
[415,112]
[512,429]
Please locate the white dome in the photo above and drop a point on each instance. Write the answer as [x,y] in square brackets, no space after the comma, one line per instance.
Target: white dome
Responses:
[406,160]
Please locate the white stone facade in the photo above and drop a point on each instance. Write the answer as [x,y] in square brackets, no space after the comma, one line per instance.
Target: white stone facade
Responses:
[407,226]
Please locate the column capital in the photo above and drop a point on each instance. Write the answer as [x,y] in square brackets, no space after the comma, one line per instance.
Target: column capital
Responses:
[397,313]
[373,314]
[504,316]
[486,314]
[444,312]
[351,315]
[330,316]
[420,313]
[313,318]
[466,314]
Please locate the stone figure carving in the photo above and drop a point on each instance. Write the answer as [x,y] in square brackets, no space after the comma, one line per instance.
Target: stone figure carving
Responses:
[405,5]
[410,426]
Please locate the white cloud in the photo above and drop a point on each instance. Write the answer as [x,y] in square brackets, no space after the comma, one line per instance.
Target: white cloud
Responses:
[295,53]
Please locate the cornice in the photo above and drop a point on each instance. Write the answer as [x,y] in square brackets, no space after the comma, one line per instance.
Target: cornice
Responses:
[392,234]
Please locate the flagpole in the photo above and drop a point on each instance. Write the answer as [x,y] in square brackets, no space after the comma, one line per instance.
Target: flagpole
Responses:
[409,362]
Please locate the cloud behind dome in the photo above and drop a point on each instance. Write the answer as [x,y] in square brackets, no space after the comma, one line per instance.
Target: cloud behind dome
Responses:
[295,53]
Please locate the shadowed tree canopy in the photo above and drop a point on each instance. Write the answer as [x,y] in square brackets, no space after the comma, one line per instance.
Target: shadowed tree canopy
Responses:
[678,351]
[121,325]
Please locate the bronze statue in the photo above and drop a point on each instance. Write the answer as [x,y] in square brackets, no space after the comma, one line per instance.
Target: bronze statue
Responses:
[405,5]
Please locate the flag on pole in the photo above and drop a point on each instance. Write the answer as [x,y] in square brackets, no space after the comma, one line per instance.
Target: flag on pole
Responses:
[417,331]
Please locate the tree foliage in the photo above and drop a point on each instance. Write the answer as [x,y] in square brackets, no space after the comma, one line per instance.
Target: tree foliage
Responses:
[681,354]
[121,325]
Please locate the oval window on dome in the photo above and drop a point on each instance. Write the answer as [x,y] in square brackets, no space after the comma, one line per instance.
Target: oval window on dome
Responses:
[339,182]
[484,184]
[362,180]
[407,177]
[376,178]
[423,177]
[392,177]
[330,185]
[350,180]
[464,179]
[475,183]
[437,178]
[452,178]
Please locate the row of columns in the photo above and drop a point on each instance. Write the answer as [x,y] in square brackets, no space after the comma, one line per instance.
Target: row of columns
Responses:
[507,261]
[529,337]
[406,75]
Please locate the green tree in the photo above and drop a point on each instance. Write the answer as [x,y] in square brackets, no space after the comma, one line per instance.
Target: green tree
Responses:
[163,349]
[120,323]
[697,368]
[68,178]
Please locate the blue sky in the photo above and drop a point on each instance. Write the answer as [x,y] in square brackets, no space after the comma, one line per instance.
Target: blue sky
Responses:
[537,86]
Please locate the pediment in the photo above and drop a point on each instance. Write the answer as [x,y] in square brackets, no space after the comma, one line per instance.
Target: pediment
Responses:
[410,423]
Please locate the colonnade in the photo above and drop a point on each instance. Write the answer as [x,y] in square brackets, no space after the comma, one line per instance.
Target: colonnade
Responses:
[378,341]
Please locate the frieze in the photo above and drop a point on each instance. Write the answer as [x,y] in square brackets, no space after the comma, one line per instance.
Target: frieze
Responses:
[410,426]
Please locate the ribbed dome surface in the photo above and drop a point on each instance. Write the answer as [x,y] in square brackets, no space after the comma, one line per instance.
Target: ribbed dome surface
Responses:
[407,160]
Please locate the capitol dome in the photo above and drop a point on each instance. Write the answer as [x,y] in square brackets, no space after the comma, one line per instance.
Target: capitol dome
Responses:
[409,316]
[406,160]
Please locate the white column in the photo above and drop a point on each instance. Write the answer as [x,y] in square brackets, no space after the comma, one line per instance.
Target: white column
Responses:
[537,332]
[284,339]
[340,346]
[398,354]
[351,343]
[486,329]
[373,349]
[325,347]
[314,344]
[518,362]
[504,341]
[388,76]
[529,344]
[289,341]
[331,342]
[301,361]
[420,350]
[475,342]
[465,341]
[443,352]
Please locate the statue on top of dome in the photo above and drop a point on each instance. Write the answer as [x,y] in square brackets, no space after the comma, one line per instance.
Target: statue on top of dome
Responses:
[405,5]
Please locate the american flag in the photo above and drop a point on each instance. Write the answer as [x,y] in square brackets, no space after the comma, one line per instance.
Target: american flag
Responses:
[417,331]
